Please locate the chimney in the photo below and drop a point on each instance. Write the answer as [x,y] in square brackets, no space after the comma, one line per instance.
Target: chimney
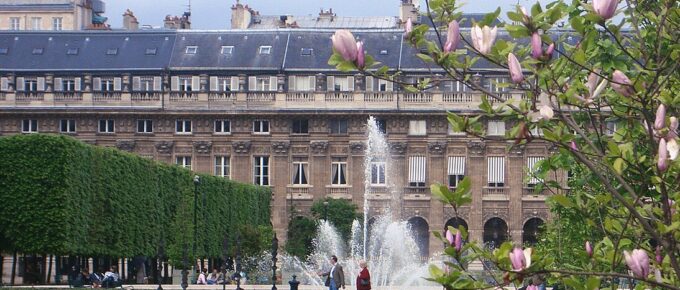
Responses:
[171,22]
[241,16]
[408,10]
[130,21]
[326,15]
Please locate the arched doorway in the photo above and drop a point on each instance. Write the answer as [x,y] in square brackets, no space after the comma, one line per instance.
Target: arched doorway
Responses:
[495,232]
[421,233]
[455,222]
[532,228]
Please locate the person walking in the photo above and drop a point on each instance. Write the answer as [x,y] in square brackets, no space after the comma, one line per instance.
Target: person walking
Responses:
[336,277]
[364,277]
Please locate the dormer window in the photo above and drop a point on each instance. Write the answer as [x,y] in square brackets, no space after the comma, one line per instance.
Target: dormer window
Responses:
[3,50]
[306,51]
[265,49]
[112,51]
[192,49]
[150,51]
[227,50]
[72,51]
[38,51]
[383,52]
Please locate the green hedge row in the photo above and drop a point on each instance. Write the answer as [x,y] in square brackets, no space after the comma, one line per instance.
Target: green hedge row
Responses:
[61,196]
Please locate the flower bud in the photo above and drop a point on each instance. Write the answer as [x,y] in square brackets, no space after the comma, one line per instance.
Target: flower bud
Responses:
[550,50]
[659,258]
[449,237]
[660,121]
[361,54]
[483,38]
[662,163]
[673,128]
[345,44]
[408,28]
[589,249]
[525,14]
[458,241]
[673,148]
[452,37]
[536,46]
[573,146]
[515,69]
[605,8]
[621,84]
[638,262]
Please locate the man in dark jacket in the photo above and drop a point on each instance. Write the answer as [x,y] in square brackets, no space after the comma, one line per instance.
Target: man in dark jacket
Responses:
[336,277]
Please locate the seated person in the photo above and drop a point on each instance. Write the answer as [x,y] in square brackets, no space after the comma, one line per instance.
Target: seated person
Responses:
[111,278]
[213,277]
[96,279]
[201,278]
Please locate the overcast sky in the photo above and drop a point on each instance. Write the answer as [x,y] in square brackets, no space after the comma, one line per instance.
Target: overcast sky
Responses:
[216,14]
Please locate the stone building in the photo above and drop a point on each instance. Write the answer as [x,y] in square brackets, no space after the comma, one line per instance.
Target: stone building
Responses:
[52,15]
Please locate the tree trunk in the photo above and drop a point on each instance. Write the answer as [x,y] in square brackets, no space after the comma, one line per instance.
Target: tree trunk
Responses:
[57,270]
[49,269]
[14,268]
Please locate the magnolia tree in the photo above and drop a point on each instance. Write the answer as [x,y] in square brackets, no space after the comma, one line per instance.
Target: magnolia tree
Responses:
[623,70]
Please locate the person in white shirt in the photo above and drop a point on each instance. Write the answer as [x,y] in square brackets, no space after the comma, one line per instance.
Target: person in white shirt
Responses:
[336,277]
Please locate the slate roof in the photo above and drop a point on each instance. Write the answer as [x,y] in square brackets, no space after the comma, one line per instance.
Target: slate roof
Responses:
[336,22]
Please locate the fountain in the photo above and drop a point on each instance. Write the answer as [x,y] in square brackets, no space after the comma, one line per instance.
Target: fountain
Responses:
[387,244]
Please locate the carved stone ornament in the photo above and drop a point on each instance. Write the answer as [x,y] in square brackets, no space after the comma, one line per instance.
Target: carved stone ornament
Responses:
[398,148]
[517,149]
[476,147]
[125,145]
[164,147]
[318,147]
[357,147]
[202,147]
[280,147]
[437,148]
[241,147]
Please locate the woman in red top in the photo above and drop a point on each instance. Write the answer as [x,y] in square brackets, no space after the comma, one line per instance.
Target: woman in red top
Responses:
[364,278]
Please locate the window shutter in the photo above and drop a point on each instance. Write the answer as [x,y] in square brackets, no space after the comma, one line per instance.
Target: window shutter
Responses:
[389,86]
[117,84]
[214,84]
[96,84]
[21,84]
[369,84]
[58,84]
[195,83]
[157,83]
[350,84]
[312,84]
[234,84]
[41,84]
[136,84]
[174,83]
[456,165]
[252,83]
[272,83]
[4,84]
[78,83]
[291,83]
[330,83]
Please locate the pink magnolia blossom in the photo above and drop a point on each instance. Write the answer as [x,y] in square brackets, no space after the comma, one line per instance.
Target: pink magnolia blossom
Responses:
[658,257]
[345,44]
[536,46]
[408,28]
[673,128]
[573,146]
[458,241]
[550,50]
[589,249]
[361,54]
[520,259]
[452,37]
[638,262]
[449,237]
[605,8]
[662,163]
[483,38]
[673,148]
[622,84]
[525,14]
[660,120]
[515,69]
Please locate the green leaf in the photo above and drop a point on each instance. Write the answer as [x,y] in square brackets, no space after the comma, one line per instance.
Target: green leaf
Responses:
[619,165]
[563,200]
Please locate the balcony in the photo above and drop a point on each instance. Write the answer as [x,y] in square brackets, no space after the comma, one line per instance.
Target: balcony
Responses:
[495,193]
[106,96]
[300,97]
[255,97]
[146,96]
[378,97]
[457,97]
[339,97]
[68,96]
[222,97]
[338,191]
[298,192]
[183,97]
[418,97]
[527,190]
[30,96]
[416,193]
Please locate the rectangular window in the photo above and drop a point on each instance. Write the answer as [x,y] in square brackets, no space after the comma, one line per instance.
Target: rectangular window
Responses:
[67,126]
[227,50]
[300,126]
[36,23]
[14,23]
[300,172]
[262,84]
[261,127]
[498,84]
[378,173]
[495,171]
[454,86]
[531,170]
[339,171]
[496,128]
[456,170]
[265,49]
[183,126]
[192,49]
[145,84]
[29,126]
[106,85]
[416,171]
[107,126]
[150,51]
[72,51]
[340,83]
[112,51]
[306,51]
[30,85]
[222,127]
[223,166]
[382,125]
[261,170]
[183,161]
[68,85]
[223,84]
[338,126]
[38,51]
[185,84]
[144,126]
[417,127]
[610,128]
[57,23]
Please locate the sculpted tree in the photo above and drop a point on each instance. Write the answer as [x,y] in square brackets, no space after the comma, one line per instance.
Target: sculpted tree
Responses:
[605,92]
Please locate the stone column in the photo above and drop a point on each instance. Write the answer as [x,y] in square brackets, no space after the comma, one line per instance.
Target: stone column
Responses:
[515,174]
[436,173]
[476,170]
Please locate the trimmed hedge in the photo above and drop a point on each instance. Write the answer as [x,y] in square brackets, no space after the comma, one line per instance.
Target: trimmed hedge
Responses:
[64,197]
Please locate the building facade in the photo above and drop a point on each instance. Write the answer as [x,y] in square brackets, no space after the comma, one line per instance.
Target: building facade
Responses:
[51,15]
[264,107]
